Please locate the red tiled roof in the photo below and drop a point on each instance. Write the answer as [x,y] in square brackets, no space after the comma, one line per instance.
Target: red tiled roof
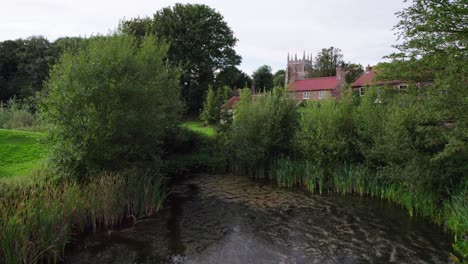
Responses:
[367,77]
[315,84]
[233,100]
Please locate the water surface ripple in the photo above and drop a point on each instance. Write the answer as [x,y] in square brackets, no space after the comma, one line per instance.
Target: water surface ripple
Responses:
[232,219]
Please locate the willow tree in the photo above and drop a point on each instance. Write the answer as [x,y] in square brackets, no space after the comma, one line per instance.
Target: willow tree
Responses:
[110,104]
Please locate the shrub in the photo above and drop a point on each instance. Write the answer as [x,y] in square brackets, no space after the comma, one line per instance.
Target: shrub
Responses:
[326,133]
[110,104]
[13,115]
[262,130]
[213,104]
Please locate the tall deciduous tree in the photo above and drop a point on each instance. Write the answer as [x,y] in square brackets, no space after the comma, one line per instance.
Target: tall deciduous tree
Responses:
[326,61]
[24,65]
[200,40]
[279,78]
[353,71]
[233,77]
[263,78]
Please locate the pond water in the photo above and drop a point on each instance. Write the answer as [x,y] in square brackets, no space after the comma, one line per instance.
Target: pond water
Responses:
[232,219]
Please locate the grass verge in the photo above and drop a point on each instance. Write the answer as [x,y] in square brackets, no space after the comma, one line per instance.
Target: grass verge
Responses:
[20,152]
[199,127]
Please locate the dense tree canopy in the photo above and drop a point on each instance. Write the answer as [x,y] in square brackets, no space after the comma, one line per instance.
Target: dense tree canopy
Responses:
[263,78]
[433,50]
[24,65]
[326,61]
[199,39]
[353,71]
[433,26]
[110,104]
[233,77]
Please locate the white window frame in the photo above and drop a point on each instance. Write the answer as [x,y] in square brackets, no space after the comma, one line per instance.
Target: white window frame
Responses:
[362,91]
[322,94]
[306,95]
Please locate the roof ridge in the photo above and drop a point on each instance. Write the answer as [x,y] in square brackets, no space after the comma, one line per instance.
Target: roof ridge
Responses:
[315,78]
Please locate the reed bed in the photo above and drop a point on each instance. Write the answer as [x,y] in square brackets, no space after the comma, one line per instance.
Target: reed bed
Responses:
[358,179]
[38,220]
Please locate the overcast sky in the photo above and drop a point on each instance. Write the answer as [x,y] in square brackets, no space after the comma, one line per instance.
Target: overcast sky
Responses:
[267,29]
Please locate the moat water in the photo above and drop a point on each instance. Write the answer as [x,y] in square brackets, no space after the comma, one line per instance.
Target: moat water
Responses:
[232,219]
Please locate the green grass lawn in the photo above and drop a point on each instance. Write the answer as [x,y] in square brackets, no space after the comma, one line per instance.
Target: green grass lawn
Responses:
[20,152]
[198,127]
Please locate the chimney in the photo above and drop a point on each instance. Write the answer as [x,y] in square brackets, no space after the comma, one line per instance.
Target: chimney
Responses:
[340,72]
[368,68]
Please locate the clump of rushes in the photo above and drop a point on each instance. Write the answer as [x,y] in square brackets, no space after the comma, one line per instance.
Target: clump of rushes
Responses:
[456,211]
[37,221]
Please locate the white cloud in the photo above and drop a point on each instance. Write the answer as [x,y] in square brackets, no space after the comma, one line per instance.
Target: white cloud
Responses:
[267,30]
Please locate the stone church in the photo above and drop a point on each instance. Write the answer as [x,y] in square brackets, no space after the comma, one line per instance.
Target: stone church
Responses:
[298,69]
[304,88]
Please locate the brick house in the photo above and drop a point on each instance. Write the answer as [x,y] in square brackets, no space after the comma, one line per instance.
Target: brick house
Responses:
[304,89]
[368,78]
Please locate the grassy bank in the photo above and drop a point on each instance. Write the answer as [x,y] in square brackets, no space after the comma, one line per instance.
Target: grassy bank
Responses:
[199,127]
[20,152]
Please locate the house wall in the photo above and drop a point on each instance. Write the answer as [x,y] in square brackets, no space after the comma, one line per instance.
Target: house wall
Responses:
[314,95]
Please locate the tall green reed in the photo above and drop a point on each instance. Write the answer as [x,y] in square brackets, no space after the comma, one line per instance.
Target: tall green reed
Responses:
[38,220]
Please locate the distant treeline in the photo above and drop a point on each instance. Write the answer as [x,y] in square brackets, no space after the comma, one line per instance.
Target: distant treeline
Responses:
[25,63]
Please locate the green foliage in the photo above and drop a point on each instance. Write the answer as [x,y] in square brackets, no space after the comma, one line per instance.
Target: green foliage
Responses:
[20,152]
[263,79]
[386,144]
[199,39]
[37,221]
[353,72]
[198,127]
[110,104]
[279,78]
[326,61]
[211,108]
[233,77]
[24,65]
[213,105]
[15,115]
[262,130]
[326,133]
[198,162]
[429,27]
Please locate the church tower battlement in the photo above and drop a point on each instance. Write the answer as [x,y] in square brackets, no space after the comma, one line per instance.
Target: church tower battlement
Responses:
[298,69]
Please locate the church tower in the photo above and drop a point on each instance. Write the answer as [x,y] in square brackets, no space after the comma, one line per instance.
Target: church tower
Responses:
[298,69]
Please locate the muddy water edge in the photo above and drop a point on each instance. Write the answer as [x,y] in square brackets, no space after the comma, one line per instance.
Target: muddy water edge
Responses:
[234,219]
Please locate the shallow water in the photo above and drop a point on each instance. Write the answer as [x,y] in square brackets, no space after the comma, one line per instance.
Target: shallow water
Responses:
[232,219]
